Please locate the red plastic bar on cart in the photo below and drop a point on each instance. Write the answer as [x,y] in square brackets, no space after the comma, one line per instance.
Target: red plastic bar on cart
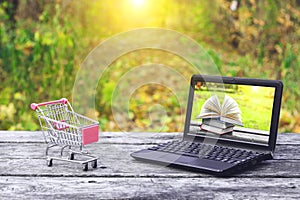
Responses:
[34,106]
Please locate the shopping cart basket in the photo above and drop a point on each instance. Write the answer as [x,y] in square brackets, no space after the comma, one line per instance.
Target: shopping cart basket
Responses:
[68,131]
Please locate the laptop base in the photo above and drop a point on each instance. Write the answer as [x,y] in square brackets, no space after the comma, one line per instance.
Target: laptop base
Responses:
[196,164]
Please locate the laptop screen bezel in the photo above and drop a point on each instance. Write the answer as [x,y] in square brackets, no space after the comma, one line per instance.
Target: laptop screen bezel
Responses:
[270,146]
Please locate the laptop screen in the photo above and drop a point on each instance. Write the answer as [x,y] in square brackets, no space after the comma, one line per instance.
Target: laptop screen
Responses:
[235,112]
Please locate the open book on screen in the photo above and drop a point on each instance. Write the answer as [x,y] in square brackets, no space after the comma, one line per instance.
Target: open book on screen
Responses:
[220,117]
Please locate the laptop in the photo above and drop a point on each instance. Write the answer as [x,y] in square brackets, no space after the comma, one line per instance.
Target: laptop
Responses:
[231,123]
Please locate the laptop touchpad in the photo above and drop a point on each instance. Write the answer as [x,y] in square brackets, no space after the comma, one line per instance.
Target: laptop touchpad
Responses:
[186,159]
[173,158]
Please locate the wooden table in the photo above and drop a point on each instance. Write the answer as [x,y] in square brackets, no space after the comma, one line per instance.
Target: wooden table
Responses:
[24,174]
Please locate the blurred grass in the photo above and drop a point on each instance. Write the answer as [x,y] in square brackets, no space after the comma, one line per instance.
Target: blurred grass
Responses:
[41,52]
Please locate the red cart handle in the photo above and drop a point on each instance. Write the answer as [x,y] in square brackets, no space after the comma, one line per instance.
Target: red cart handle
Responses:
[34,106]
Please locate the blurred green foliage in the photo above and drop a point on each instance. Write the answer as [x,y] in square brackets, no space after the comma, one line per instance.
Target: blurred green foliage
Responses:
[43,43]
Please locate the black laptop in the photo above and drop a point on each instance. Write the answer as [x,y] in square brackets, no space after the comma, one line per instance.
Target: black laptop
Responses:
[231,123]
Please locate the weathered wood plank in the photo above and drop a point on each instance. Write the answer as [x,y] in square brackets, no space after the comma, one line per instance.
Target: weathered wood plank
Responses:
[24,173]
[27,159]
[128,167]
[124,138]
[36,150]
[151,188]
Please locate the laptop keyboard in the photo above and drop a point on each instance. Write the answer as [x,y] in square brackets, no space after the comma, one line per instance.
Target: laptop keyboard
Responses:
[206,151]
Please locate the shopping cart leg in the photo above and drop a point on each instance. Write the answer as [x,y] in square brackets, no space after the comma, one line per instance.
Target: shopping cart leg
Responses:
[49,162]
[48,147]
[62,149]
[72,156]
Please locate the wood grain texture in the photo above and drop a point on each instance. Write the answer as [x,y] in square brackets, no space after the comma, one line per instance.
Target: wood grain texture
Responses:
[37,150]
[150,188]
[24,174]
[27,158]
[123,138]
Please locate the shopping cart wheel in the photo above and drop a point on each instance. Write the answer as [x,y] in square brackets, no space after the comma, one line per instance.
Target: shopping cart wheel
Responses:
[49,162]
[85,167]
[71,156]
[94,164]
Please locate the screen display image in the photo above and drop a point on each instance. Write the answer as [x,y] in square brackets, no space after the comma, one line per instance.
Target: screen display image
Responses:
[229,111]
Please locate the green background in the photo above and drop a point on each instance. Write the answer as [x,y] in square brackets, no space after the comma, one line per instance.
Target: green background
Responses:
[43,43]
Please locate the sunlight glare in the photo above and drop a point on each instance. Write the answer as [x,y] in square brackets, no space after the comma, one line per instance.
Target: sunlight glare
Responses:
[138,3]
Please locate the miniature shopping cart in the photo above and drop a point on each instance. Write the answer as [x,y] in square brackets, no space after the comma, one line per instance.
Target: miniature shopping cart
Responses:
[68,131]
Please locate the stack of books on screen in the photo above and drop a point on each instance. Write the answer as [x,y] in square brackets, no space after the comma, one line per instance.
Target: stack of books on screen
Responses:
[216,126]
[220,119]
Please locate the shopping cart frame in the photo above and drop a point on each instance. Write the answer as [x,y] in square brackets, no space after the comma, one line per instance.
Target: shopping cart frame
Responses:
[66,130]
